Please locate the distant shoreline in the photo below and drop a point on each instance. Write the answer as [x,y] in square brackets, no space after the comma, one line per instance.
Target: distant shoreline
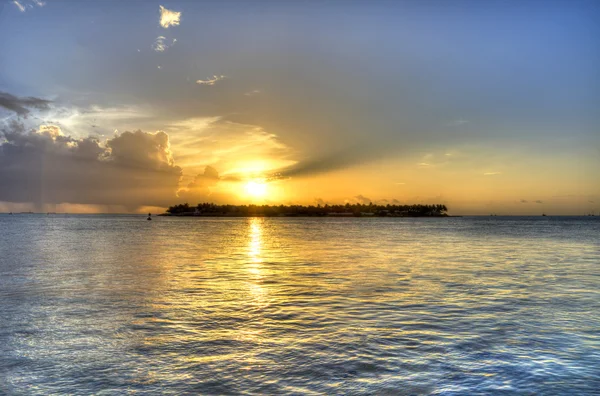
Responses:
[208,209]
[350,215]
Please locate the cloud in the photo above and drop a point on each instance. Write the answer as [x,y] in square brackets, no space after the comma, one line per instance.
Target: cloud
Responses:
[210,81]
[492,173]
[46,167]
[242,150]
[161,44]
[200,188]
[53,131]
[539,202]
[21,105]
[320,201]
[362,199]
[19,6]
[169,17]
[253,92]
[524,201]
[23,5]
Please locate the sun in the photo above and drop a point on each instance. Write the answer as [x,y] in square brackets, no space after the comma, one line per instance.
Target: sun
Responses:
[256,189]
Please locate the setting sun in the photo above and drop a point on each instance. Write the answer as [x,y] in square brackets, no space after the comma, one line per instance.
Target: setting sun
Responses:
[256,189]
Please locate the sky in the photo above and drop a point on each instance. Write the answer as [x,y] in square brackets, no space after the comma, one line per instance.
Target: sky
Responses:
[130,106]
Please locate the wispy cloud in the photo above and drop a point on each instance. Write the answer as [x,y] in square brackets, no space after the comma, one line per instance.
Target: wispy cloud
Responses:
[524,201]
[253,92]
[19,6]
[23,5]
[210,81]
[400,184]
[492,173]
[161,44]
[539,202]
[169,17]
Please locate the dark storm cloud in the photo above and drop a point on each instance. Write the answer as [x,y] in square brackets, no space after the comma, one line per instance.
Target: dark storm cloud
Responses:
[131,169]
[21,105]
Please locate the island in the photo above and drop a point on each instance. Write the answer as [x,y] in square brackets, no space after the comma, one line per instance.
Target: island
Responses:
[346,210]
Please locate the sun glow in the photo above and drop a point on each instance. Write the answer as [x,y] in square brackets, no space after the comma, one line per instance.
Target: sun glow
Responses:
[256,189]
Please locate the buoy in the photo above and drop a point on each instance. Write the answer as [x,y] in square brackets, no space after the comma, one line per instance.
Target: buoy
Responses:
[149,216]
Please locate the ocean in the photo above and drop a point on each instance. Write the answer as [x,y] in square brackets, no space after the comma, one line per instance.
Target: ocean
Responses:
[116,304]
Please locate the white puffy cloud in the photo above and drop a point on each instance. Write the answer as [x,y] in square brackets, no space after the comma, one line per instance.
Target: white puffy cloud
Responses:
[169,17]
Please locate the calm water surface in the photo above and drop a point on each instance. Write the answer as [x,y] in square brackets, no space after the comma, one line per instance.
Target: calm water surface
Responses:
[118,305]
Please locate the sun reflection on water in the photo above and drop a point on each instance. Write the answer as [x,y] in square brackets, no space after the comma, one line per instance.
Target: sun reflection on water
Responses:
[256,239]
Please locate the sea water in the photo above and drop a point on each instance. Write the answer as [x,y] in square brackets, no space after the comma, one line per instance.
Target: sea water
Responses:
[102,304]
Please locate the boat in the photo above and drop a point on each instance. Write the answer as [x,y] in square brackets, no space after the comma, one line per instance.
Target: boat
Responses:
[149,216]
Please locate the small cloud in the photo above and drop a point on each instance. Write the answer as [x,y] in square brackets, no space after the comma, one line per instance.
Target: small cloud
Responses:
[400,184]
[362,199]
[524,201]
[591,201]
[169,17]
[23,5]
[159,67]
[253,93]
[492,173]
[161,44]
[210,81]
[424,164]
[19,6]
[539,202]
[320,201]
[395,201]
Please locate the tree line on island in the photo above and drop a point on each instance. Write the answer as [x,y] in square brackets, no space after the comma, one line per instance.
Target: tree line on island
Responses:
[347,210]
